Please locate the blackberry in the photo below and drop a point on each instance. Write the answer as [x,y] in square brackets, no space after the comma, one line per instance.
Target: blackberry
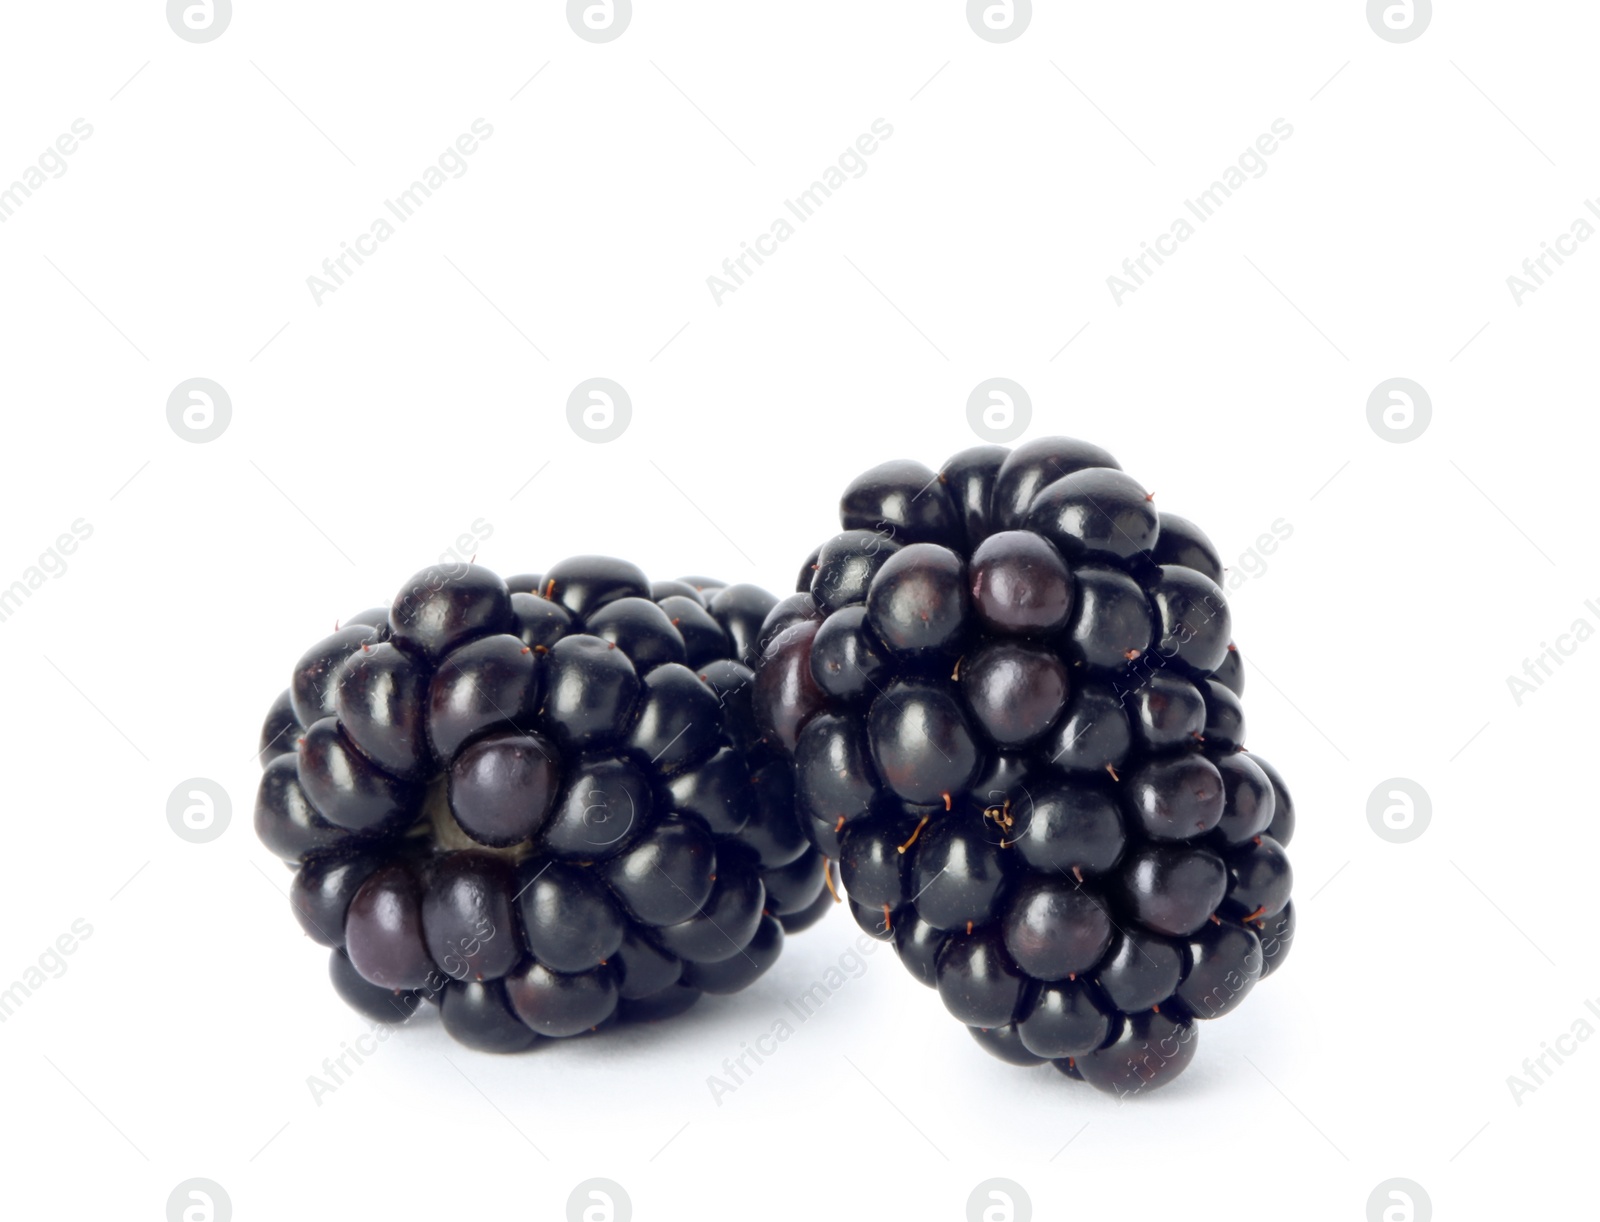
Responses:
[542,804]
[1012,701]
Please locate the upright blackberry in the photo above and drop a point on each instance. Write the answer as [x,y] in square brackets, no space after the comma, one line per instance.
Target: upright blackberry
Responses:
[1012,701]
[541,803]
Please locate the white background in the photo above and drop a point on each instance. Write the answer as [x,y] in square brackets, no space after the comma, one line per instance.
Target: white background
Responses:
[371,430]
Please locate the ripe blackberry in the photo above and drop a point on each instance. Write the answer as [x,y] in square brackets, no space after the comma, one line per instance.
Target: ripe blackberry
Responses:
[541,803]
[1012,702]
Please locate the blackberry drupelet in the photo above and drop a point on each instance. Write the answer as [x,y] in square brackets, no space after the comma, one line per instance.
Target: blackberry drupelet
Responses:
[541,803]
[1011,697]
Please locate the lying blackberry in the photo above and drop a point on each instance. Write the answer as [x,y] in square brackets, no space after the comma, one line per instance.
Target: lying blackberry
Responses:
[1012,701]
[542,804]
